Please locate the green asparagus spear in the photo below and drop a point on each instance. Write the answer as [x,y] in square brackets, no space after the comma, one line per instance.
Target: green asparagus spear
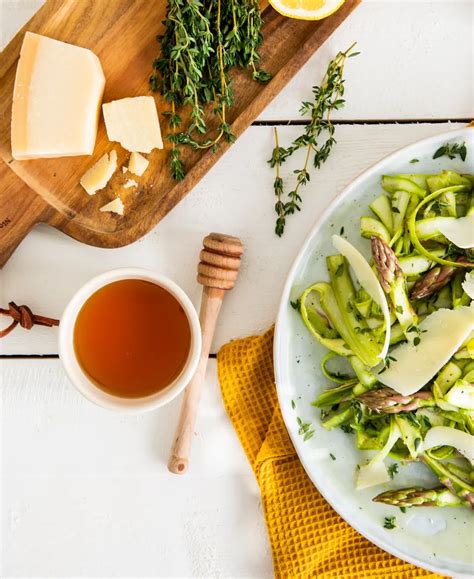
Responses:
[420,497]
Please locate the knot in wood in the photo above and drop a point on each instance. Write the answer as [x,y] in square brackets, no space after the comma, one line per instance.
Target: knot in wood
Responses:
[220,261]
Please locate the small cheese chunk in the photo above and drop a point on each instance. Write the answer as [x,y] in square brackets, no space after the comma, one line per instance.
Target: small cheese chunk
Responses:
[133,122]
[442,333]
[138,164]
[124,170]
[115,206]
[130,183]
[56,99]
[99,175]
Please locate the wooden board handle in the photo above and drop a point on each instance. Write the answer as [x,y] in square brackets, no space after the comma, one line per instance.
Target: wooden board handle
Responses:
[20,209]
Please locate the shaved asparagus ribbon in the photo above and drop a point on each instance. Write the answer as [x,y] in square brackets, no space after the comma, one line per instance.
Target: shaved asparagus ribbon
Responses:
[412,227]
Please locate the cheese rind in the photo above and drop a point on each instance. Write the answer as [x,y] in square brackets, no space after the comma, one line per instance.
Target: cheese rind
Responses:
[56,99]
[138,164]
[133,122]
[97,176]
[115,206]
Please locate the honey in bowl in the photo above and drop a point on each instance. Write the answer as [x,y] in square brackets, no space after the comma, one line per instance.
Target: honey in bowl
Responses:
[132,338]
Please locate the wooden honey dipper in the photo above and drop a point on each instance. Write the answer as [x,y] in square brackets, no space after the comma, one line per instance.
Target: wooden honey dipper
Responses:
[217,272]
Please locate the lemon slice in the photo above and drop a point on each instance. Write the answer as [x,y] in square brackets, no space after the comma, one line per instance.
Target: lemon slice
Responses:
[306,9]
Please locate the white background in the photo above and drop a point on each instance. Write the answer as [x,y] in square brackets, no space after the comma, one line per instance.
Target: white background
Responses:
[85,492]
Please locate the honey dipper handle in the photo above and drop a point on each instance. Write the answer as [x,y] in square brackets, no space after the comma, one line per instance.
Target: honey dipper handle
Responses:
[210,308]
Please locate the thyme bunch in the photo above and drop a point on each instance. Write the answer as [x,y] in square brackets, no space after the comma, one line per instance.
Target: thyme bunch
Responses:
[317,138]
[203,41]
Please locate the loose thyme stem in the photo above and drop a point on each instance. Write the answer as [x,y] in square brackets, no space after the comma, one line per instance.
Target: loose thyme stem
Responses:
[327,98]
[278,187]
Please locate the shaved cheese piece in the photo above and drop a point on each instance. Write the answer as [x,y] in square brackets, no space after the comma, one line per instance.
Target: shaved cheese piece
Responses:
[442,334]
[138,164]
[130,183]
[368,280]
[461,395]
[445,436]
[370,475]
[124,169]
[99,175]
[115,206]
[459,231]
[468,284]
[133,122]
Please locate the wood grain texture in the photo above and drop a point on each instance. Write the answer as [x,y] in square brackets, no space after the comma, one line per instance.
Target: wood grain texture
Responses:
[122,33]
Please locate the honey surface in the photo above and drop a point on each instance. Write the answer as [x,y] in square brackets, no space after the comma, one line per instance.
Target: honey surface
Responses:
[132,338]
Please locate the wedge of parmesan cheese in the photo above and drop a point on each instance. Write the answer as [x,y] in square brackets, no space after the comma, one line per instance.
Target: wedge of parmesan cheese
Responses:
[97,177]
[115,206]
[133,122]
[368,280]
[441,334]
[56,99]
[459,231]
[138,164]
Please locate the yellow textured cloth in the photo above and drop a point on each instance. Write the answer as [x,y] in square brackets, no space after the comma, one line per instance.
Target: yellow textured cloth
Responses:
[308,538]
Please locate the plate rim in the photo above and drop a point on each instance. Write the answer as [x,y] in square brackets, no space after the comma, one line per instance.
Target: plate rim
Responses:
[289,282]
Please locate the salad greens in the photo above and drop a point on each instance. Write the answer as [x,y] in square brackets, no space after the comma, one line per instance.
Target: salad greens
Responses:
[421,272]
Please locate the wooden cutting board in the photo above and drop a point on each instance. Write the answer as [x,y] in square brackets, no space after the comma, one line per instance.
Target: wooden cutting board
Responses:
[123,35]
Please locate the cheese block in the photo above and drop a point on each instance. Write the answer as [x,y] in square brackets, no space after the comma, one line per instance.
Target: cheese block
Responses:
[56,99]
[133,122]
[99,175]
[138,164]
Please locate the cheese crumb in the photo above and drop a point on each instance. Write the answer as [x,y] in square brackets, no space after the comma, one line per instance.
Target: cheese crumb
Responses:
[99,175]
[124,169]
[130,183]
[115,206]
[138,164]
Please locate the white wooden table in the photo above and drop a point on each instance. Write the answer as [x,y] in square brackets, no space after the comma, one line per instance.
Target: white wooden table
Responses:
[85,492]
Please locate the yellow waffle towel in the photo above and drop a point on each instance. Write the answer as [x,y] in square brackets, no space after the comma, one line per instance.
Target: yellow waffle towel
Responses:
[308,538]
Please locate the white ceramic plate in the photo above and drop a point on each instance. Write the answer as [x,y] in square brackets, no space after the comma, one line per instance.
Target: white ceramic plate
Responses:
[440,540]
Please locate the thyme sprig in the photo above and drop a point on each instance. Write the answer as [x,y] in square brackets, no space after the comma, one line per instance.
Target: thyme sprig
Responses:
[451,150]
[317,138]
[203,41]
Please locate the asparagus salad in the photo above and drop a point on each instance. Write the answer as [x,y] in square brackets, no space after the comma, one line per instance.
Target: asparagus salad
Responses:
[404,324]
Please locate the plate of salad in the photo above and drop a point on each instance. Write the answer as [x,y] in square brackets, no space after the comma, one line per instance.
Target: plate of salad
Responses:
[374,353]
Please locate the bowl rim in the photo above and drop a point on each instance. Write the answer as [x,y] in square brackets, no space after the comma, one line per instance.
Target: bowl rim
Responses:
[84,384]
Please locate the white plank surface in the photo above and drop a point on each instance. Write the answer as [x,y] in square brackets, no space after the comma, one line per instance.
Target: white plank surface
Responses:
[236,197]
[417,60]
[86,492]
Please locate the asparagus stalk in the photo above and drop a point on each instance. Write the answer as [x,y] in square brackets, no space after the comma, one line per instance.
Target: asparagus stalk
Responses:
[453,483]
[392,281]
[434,280]
[387,401]
[420,497]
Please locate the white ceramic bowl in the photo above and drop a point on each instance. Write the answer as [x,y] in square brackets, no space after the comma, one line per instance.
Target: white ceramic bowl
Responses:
[81,381]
